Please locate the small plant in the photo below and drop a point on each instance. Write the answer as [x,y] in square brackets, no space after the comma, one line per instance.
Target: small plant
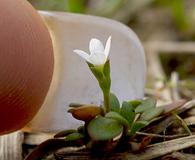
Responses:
[108,126]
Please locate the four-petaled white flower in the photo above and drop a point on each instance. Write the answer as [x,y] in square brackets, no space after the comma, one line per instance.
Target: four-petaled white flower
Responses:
[98,54]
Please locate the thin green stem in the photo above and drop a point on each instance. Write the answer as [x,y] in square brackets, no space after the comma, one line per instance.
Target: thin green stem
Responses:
[106,101]
[183,123]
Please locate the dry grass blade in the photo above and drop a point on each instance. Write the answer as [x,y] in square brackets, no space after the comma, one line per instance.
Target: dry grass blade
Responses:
[50,146]
[180,156]
[187,106]
[173,106]
[161,136]
[161,126]
[153,151]
[157,127]
[163,148]
[190,120]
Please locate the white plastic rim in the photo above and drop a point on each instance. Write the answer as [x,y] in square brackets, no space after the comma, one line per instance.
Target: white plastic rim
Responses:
[73,81]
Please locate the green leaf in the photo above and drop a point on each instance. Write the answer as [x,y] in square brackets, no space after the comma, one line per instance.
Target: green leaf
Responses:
[114,103]
[74,136]
[102,128]
[64,133]
[81,129]
[137,126]
[145,105]
[116,116]
[135,103]
[127,112]
[107,69]
[102,74]
[96,73]
[90,65]
[150,114]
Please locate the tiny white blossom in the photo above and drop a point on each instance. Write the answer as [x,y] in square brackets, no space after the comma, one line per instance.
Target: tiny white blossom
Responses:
[98,54]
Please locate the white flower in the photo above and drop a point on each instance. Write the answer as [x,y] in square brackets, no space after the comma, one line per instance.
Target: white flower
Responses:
[98,54]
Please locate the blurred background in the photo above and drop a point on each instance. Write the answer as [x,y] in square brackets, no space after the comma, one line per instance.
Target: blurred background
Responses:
[162,19]
[165,27]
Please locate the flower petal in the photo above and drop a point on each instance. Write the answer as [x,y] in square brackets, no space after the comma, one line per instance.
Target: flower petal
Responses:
[83,54]
[97,58]
[107,47]
[96,45]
